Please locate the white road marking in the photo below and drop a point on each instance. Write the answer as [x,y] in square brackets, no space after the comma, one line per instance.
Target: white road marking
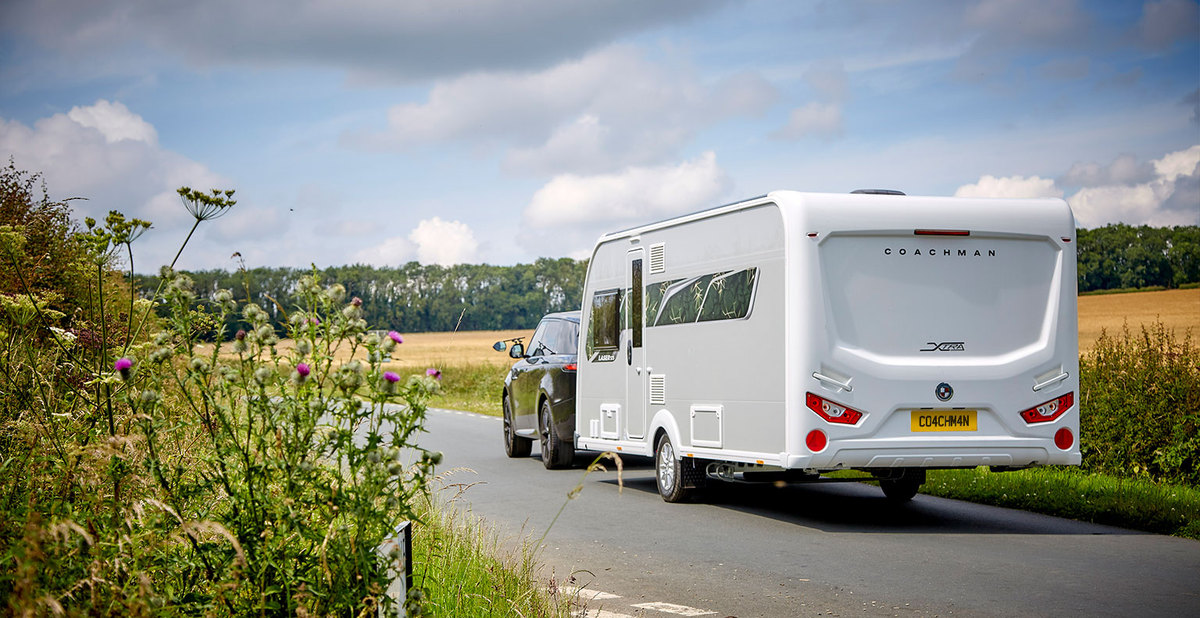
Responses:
[671,608]
[588,595]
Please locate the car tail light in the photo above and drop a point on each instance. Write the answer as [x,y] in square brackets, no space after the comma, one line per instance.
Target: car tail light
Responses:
[1064,439]
[1050,410]
[832,412]
[570,367]
[816,441]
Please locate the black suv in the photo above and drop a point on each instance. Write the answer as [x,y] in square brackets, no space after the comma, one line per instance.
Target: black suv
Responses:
[539,391]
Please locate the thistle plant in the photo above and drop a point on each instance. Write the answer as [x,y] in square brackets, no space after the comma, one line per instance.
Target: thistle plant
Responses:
[198,469]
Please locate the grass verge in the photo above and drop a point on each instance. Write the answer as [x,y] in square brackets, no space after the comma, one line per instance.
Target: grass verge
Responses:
[465,570]
[1072,493]
[471,387]
[1098,498]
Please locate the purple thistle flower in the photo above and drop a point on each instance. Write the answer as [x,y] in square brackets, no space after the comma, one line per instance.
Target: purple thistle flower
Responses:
[434,373]
[302,369]
[391,377]
[395,336]
[122,367]
[356,301]
[241,335]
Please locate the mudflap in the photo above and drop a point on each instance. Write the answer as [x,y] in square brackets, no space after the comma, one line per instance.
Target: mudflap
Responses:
[692,473]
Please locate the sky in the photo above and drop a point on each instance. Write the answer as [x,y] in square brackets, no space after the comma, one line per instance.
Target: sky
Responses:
[500,131]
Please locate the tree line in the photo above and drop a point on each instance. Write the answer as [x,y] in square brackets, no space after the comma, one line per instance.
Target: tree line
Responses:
[1124,256]
[431,298]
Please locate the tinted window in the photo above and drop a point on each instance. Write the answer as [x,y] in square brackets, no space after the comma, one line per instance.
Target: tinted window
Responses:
[604,326]
[725,295]
[537,343]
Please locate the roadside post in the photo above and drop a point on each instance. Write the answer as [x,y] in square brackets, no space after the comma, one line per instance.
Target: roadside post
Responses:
[395,555]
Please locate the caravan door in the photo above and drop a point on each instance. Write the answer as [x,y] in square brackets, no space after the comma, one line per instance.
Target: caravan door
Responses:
[637,373]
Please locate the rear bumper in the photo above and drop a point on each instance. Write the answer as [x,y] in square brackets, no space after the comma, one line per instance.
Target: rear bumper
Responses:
[1018,453]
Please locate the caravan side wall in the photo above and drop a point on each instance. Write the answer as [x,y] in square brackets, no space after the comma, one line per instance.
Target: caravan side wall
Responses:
[709,370]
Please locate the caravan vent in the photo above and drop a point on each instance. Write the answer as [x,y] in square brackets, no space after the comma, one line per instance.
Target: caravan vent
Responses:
[658,258]
[658,390]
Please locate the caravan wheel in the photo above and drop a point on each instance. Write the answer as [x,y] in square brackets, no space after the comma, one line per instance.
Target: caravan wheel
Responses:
[668,471]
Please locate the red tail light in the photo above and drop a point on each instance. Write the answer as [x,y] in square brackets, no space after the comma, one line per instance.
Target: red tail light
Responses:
[1050,410]
[816,441]
[832,412]
[570,367]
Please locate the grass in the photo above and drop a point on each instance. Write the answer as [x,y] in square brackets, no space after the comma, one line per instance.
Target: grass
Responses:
[465,570]
[471,387]
[1069,492]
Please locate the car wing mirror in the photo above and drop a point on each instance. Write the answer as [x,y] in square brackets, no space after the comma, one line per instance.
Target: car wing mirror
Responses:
[499,346]
[517,350]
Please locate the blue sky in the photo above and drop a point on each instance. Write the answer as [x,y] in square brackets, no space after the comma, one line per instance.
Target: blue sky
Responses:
[502,131]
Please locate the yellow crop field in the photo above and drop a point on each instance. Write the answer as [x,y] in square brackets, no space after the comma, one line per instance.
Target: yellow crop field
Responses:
[1178,310]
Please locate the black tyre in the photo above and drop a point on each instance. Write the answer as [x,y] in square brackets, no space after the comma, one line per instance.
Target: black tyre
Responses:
[514,445]
[669,472]
[556,452]
[903,489]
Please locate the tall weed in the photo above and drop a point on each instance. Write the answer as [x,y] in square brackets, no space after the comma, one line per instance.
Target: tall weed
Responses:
[1140,406]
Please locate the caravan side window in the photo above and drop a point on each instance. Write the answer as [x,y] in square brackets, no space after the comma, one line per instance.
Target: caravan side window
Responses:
[727,295]
[604,327]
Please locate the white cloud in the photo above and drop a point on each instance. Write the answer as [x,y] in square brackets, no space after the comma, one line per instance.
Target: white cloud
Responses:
[1171,197]
[608,110]
[110,155]
[635,194]
[114,121]
[1011,186]
[813,120]
[391,252]
[444,242]
[1125,170]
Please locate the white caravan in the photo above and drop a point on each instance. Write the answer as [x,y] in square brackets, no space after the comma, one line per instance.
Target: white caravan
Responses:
[793,334]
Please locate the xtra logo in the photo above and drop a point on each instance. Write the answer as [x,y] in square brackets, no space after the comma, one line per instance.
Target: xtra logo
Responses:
[945,346]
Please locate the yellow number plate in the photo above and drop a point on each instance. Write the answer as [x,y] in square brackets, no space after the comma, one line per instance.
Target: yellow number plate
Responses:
[945,420]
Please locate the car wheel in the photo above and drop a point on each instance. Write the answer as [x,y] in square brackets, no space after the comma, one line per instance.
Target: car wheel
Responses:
[556,453]
[668,472]
[514,445]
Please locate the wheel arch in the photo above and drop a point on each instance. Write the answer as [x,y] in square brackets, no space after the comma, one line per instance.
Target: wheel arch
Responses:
[663,422]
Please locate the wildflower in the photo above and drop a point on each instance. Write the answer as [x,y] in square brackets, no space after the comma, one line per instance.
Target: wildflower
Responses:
[263,375]
[203,206]
[436,374]
[302,371]
[200,365]
[149,397]
[389,381]
[303,347]
[65,337]
[122,367]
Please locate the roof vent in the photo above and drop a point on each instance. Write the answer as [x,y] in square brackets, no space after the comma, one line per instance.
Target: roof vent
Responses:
[878,191]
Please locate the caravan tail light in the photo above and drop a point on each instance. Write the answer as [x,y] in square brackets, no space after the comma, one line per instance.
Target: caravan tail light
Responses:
[832,412]
[570,367]
[942,232]
[816,441]
[1050,410]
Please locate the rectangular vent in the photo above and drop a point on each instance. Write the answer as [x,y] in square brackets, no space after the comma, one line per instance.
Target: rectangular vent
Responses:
[658,390]
[658,258]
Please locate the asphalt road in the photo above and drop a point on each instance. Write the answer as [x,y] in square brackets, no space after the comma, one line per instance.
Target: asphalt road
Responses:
[805,550]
